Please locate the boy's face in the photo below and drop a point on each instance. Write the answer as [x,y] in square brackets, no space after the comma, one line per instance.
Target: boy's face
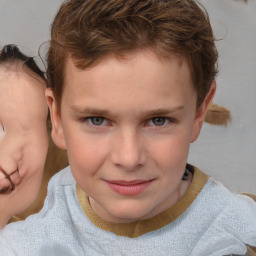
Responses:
[23,134]
[127,126]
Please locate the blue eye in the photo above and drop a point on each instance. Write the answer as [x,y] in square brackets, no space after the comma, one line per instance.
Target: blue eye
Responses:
[97,121]
[158,121]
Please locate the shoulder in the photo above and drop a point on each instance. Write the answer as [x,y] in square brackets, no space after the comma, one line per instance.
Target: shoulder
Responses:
[40,230]
[57,189]
[63,177]
[237,213]
[226,219]
[215,196]
[239,218]
[251,250]
[55,199]
[250,195]
[240,205]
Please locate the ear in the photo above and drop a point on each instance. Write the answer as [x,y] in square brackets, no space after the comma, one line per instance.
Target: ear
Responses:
[57,129]
[201,111]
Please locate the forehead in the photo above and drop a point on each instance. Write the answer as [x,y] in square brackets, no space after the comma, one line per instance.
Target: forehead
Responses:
[139,79]
[21,96]
[19,85]
[112,64]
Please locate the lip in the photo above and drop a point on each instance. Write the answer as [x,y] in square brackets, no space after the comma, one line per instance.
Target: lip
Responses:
[128,188]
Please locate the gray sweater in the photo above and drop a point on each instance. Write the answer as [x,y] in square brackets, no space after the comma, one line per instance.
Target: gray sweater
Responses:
[216,223]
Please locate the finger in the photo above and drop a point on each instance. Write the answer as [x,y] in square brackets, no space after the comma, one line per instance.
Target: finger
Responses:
[15,177]
[5,186]
[11,185]
[2,176]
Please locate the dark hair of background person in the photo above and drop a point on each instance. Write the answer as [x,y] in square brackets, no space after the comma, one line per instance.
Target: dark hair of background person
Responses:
[11,54]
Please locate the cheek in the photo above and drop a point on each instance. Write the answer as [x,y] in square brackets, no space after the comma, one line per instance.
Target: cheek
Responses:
[86,154]
[34,151]
[171,153]
[33,159]
[10,152]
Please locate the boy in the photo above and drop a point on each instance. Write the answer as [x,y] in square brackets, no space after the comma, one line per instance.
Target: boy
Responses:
[129,85]
[23,133]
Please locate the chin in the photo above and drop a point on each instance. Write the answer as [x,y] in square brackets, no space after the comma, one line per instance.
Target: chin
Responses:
[129,214]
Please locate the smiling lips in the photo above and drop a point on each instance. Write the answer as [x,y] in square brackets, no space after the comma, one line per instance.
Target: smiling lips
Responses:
[129,188]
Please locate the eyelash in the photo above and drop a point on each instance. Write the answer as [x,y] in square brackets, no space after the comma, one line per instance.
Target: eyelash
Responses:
[89,120]
[106,122]
[166,120]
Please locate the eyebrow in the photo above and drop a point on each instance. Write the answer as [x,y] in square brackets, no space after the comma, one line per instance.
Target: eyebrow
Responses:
[163,112]
[102,112]
[90,111]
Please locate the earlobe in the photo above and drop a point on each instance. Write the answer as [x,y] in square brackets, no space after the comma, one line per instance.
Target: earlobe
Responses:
[201,111]
[57,130]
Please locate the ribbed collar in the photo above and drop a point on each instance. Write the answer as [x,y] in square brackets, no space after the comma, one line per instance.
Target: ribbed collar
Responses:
[138,228]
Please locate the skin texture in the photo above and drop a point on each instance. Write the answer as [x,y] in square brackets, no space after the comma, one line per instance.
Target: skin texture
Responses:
[56,160]
[146,119]
[23,138]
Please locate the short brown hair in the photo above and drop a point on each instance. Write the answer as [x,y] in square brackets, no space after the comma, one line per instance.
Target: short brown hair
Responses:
[91,30]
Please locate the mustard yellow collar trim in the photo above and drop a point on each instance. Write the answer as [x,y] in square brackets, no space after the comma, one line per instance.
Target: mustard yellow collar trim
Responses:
[141,227]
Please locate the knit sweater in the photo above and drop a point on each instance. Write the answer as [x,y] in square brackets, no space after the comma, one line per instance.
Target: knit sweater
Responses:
[208,220]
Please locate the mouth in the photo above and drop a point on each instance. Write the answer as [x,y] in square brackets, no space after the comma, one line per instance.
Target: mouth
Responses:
[129,188]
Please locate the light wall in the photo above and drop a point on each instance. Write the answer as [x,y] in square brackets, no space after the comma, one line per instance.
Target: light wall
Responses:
[229,153]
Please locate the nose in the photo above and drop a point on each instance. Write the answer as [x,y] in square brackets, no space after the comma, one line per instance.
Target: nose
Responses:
[129,151]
